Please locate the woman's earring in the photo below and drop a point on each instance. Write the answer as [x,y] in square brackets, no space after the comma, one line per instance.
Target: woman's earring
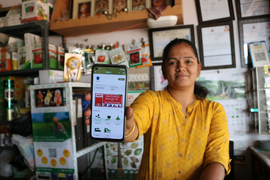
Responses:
[177,70]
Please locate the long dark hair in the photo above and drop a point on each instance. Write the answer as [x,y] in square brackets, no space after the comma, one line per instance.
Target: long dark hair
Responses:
[200,91]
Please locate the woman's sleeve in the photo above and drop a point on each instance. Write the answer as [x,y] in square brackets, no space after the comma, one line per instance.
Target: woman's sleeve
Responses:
[143,108]
[217,149]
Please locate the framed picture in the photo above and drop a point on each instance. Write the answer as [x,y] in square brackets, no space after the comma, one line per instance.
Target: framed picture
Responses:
[216,44]
[158,83]
[160,37]
[101,6]
[252,30]
[82,8]
[252,9]
[119,5]
[259,53]
[138,5]
[213,11]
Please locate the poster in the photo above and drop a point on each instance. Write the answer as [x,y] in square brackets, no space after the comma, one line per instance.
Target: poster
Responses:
[229,90]
[51,130]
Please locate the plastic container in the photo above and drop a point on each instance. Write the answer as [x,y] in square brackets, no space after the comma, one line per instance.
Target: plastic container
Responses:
[163,21]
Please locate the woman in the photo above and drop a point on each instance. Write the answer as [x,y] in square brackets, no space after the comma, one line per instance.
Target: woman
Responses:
[186,136]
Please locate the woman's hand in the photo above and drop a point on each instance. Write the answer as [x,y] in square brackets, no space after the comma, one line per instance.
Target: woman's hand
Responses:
[130,122]
[132,131]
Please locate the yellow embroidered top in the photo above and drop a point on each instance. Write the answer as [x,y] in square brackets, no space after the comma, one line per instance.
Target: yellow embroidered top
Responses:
[179,147]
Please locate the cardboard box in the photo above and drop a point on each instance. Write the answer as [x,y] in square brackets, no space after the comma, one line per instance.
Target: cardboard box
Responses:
[19,94]
[18,86]
[30,39]
[5,60]
[1,22]
[50,76]
[14,60]
[37,56]
[11,21]
[60,57]
[24,57]
[35,10]
[15,42]
[16,79]
[27,99]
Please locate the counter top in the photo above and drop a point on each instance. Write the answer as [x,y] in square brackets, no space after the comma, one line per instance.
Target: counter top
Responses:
[264,157]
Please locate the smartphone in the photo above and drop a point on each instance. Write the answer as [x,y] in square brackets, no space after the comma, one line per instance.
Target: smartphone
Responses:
[108,104]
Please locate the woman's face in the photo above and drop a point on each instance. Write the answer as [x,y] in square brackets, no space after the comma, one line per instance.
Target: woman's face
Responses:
[181,67]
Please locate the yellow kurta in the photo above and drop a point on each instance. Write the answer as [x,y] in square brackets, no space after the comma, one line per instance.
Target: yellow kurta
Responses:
[179,147]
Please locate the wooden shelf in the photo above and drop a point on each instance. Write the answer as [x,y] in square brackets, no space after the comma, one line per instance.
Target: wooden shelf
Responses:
[100,24]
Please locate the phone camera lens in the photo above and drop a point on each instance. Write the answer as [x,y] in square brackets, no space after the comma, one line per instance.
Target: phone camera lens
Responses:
[96,68]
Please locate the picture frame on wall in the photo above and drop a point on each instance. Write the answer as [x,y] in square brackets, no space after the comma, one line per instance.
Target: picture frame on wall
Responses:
[83,8]
[157,3]
[158,82]
[138,5]
[212,11]
[216,44]
[160,37]
[259,53]
[252,9]
[252,30]
[101,6]
[119,5]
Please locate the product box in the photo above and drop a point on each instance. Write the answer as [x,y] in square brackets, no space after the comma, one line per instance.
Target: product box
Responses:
[5,60]
[27,99]
[60,57]
[19,94]
[1,22]
[14,60]
[72,68]
[11,21]
[50,76]
[24,57]
[15,43]
[18,86]
[35,10]
[37,56]
[30,39]
[13,17]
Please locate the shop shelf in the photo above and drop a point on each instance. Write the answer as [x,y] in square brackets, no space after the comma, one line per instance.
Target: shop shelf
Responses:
[101,24]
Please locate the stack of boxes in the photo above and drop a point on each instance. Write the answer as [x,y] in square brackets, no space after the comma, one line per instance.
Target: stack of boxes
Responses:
[13,17]
[30,55]
[5,60]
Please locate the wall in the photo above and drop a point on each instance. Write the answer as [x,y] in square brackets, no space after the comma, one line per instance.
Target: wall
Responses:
[125,37]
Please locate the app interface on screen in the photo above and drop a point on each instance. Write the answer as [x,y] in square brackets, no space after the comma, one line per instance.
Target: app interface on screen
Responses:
[108,102]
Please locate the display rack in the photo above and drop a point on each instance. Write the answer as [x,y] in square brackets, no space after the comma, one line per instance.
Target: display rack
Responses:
[70,87]
[256,99]
[40,28]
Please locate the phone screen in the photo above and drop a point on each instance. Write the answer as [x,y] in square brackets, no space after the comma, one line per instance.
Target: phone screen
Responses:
[109,87]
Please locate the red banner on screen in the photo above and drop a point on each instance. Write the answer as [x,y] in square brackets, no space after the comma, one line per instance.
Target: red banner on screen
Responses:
[108,100]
